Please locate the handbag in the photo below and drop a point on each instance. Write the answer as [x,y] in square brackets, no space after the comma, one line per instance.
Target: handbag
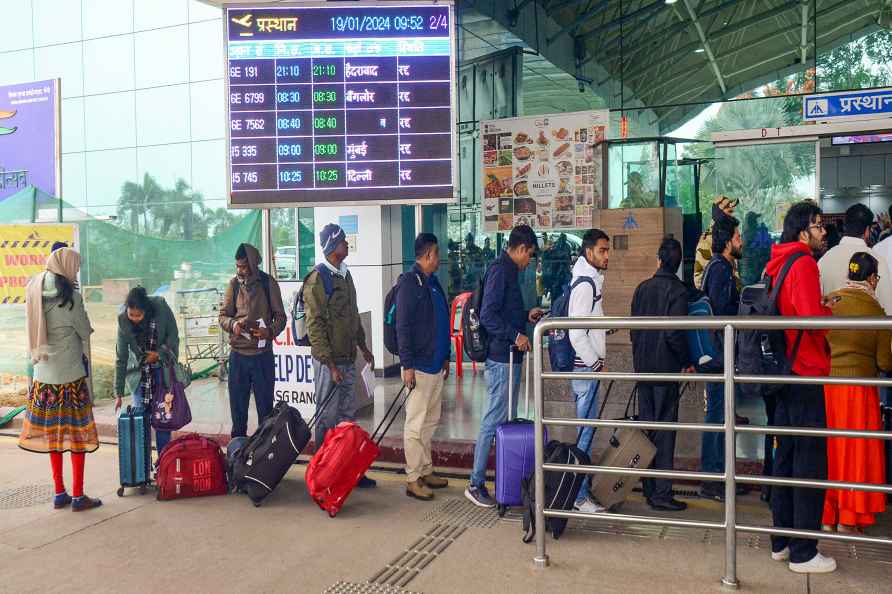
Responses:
[169,408]
[182,373]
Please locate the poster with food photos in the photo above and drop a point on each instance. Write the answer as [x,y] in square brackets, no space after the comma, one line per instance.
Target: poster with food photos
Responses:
[543,171]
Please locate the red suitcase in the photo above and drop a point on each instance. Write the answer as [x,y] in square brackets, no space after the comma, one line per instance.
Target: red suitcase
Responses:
[345,456]
[191,466]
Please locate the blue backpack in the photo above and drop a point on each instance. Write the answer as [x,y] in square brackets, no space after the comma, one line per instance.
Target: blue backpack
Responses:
[560,350]
[703,343]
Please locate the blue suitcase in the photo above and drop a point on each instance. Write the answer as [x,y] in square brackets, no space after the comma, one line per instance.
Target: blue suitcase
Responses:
[515,452]
[134,450]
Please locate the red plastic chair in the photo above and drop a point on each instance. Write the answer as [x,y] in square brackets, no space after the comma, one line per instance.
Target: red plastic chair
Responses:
[458,339]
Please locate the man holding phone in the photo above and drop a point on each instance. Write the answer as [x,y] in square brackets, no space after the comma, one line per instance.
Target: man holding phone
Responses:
[253,315]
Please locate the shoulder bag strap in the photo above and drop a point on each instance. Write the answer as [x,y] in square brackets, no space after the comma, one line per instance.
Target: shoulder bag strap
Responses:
[775,291]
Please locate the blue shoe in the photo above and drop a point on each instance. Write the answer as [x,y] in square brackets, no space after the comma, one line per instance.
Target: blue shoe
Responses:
[61,500]
[367,483]
[84,503]
[479,496]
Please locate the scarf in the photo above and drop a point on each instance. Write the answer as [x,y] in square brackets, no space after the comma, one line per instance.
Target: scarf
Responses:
[146,376]
[64,262]
[861,286]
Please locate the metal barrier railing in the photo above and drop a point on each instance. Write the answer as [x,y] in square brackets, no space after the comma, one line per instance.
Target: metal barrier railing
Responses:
[729,428]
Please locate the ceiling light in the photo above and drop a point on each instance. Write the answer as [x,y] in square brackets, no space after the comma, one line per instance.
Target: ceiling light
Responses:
[699,50]
[670,2]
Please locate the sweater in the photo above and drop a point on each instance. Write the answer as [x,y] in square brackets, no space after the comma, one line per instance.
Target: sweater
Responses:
[834,267]
[859,353]
[590,345]
[67,331]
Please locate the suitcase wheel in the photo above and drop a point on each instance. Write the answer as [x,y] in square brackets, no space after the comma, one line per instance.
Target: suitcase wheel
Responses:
[332,514]
[257,503]
[142,489]
[120,491]
[502,510]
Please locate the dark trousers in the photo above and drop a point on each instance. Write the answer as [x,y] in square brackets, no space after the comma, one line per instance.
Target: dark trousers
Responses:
[246,373]
[803,458]
[770,401]
[659,403]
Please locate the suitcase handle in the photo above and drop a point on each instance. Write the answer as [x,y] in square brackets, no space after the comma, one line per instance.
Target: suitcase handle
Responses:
[378,438]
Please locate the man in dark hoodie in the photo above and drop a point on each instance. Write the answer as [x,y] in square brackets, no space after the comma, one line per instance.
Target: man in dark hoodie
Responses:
[253,315]
[801,405]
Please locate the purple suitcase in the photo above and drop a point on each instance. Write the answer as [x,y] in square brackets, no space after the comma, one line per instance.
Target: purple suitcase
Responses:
[515,453]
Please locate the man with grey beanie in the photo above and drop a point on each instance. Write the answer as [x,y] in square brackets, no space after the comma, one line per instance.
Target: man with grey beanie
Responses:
[335,332]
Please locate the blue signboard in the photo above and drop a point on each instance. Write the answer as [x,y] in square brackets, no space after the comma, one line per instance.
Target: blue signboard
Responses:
[851,105]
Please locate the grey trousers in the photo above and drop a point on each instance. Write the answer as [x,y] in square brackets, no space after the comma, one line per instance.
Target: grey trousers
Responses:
[342,404]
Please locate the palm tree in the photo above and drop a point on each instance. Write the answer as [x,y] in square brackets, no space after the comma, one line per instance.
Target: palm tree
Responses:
[136,200]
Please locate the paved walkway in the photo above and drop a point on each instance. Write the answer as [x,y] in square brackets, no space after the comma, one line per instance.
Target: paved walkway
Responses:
[223,544]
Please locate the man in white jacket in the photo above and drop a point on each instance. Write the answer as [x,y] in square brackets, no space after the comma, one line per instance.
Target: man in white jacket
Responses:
[834,265]
[590,345]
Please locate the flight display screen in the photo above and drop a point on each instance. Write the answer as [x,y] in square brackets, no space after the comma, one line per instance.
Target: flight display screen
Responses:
[340,103]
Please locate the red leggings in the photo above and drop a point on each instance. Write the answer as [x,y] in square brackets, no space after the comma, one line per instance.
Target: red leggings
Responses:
[77,471]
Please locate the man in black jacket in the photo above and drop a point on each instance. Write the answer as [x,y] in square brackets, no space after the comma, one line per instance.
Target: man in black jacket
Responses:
[661,351]
[423,337]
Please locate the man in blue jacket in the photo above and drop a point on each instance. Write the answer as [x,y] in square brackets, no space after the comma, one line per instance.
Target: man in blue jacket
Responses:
[505,319]
[423,337]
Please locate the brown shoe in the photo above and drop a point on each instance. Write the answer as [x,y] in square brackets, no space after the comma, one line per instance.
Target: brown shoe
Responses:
[418,490]
[435,482]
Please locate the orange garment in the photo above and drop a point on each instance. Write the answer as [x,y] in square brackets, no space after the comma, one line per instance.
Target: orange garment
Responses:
[854,460]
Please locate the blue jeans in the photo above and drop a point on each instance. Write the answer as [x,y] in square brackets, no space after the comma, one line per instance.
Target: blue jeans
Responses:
[586,395]
[255,373]
[496,413]
[341,405]
[162,438]
[712,448]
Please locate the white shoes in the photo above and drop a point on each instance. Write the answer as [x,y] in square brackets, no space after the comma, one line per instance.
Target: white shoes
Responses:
[783,555]
[817,564]
[590,506]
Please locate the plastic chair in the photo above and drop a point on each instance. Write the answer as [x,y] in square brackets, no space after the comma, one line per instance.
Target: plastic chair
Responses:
[458,339]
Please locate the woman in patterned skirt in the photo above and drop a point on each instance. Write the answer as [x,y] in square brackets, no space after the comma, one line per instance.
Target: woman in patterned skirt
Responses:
[60,410]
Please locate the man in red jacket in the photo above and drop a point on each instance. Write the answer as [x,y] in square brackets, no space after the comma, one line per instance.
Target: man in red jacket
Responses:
[801,405]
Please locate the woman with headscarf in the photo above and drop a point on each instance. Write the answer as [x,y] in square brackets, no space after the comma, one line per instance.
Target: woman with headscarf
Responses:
[60,410]
[148,339]
[856,353]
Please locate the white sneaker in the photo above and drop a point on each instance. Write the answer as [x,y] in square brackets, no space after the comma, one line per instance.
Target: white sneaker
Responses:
[783,555]
[817,564]
[590,506]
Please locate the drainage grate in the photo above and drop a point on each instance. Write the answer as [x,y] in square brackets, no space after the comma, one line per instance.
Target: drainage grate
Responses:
[416,557]
[352,588]
[26,496]
[461,512]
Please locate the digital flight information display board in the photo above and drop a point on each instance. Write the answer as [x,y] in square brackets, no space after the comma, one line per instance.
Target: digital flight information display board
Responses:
[348,103]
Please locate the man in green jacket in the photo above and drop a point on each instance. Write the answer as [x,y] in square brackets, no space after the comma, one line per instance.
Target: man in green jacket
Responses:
[335,332]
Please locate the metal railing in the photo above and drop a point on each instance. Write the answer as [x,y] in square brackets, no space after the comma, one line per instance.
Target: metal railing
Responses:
[729,378]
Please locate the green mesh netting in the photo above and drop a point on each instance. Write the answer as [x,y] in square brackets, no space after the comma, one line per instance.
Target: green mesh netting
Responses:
[113,260]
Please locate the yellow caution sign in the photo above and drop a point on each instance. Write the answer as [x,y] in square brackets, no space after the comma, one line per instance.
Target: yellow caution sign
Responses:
[24,250]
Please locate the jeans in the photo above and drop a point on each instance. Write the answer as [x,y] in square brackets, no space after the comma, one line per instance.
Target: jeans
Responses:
[803,458]
[341,406]
[255,372]
[712,445]
[585,393]
[496,375]
[162,438]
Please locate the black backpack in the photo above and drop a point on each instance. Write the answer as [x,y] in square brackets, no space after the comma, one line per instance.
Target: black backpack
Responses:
[764,352]
[475,337]
[391,343]
[561,489]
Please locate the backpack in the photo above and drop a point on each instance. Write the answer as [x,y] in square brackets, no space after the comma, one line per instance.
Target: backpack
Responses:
[390,338]
[476,339]
[703,344]
[561,489]
[298,310]
[560,350]
[264,284]
[764,352]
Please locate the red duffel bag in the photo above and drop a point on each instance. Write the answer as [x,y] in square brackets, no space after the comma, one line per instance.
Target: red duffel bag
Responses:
[191,466]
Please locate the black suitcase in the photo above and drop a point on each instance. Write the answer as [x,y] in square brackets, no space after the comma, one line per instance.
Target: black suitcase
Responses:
[261,462]
[561,489]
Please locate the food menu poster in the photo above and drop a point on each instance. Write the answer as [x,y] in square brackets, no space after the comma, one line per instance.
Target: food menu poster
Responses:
[340,103]
[543,171]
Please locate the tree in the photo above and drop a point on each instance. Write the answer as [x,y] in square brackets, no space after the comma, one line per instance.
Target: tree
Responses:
[137,199]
